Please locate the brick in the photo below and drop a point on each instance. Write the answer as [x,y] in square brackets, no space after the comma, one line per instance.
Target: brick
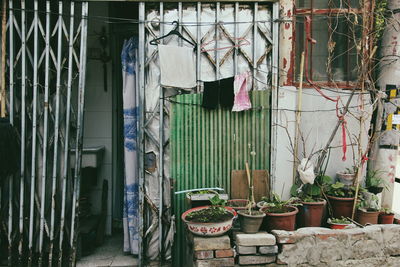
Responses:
[224,253]
[286,237]
[204,254]
[268,250]
[215,262]
[258,239]
[256,259]
[242,250]
[211,243]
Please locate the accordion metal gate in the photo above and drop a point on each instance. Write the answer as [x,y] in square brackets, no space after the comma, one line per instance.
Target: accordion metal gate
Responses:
[46,56]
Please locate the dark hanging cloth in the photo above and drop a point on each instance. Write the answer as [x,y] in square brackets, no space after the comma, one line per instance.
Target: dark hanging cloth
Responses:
[226,95]
[218,92]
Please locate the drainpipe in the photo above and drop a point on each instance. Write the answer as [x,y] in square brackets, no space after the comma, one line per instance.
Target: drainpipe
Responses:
[384,157]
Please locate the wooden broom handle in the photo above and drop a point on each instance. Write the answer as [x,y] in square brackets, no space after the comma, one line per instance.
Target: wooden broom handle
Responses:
[3,59]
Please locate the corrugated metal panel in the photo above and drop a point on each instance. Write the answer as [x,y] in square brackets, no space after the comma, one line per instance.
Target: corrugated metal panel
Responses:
[207,145]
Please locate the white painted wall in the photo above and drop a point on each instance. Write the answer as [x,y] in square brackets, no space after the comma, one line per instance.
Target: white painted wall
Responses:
[98,110]
[318,126]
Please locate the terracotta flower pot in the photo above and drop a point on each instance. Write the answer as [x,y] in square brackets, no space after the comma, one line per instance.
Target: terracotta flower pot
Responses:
[281,221]
[310,214]
[250,224]
[386,218]
[346,178]
[364,217]
[341,206]
[338,226]
[211,228]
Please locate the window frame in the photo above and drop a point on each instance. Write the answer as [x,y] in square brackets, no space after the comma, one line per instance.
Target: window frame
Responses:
[311,11]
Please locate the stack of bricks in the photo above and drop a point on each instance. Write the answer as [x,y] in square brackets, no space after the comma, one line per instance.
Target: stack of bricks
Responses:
[212,251]
[256,249]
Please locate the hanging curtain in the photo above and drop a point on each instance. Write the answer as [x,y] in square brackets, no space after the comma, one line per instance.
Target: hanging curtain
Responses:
[131,112]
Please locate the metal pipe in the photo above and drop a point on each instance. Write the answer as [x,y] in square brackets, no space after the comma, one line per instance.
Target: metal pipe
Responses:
[11,114]
[79,133]
[236,33]
[45,131]
[254,44]
[198,52]
[141,125]
[67,130]
[216,41]
[23,131]
[161,142]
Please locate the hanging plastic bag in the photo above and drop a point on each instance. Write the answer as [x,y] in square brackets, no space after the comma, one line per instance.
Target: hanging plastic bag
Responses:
[306,171]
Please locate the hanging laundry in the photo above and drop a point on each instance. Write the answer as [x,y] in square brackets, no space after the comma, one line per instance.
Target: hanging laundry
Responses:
[242,86]
[177,66]
[218,92]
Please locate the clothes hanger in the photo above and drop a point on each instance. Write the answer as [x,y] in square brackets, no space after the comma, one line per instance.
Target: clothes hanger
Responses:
[173,32]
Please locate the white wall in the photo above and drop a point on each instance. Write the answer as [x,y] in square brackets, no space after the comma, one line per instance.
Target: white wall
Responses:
[98,110]
[317,127]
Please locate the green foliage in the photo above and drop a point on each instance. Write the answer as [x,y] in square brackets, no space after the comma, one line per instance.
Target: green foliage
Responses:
[368,202]
[374,179]
[340,190]
[311,192]
[387,211]
[276,205]
[216,212]
[342,220]
[380,18]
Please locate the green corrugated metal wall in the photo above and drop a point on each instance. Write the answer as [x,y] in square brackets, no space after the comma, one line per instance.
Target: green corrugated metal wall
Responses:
[207,145]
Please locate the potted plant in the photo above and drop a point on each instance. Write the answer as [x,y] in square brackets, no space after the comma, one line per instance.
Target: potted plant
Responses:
[313,204]
[212,220]
[374,182]
[386,216]
[280,215]
[250,220]
[347,176]
[341,199]
[336,223]
[367,208]
[201,197]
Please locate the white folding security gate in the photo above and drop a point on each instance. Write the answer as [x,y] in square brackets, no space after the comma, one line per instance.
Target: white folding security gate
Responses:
[240,36]
[46,55]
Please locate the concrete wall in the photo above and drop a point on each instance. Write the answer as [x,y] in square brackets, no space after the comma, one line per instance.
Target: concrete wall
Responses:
[317,123]
[98,110]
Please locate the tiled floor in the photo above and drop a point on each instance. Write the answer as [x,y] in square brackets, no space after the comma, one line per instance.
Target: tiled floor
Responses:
[110,254]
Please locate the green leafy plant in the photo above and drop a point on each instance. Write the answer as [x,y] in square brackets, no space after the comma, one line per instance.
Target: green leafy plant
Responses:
[368,202]
[351,170]
[312,192]
[342,220]
[276,205]
[374,179]
[338,189]
[215,213]
[386,211]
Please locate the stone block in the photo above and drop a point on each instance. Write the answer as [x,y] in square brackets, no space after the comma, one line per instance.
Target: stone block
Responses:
[268,250]
[391,239]
[226,262]
[242,250]
[211,243]
[287,237]
[204,254]
[253,259]
[224,253]
[258,239]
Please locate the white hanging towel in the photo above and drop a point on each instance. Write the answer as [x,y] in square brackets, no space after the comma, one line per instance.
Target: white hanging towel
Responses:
[177,66]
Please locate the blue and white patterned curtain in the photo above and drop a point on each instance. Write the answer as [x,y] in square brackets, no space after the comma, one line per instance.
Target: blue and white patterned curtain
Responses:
[131,112]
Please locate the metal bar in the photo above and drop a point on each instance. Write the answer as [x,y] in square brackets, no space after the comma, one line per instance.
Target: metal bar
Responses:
[275,90]
[79,133]
[34,131]
[198,41]
[141,53]
[11,114]
[236,33]
[23,131]
[255,13]
[161,144]
[216,41]
[45,131]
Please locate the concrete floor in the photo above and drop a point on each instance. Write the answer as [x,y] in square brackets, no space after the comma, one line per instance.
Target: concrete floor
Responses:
[110,254]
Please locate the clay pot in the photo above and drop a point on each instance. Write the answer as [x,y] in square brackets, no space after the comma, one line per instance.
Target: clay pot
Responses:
[346,178]
[280,221]
[250,224]
[209,229]
[341,206]
[386,218]
[338,226]
[364,217]
[310,214]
